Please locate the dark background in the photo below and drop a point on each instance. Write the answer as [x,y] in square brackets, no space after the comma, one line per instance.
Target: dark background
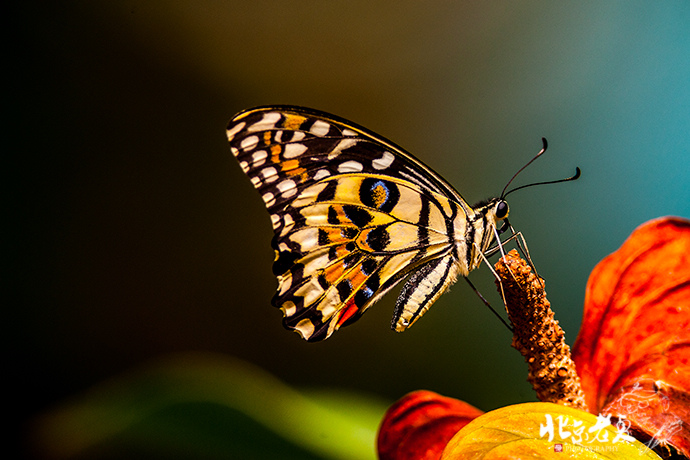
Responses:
[133,233]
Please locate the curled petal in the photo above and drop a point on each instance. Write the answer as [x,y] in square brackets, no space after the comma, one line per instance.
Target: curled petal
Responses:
[633,350]
[419,425]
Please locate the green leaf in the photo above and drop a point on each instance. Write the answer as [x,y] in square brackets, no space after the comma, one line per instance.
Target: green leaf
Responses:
[208,406]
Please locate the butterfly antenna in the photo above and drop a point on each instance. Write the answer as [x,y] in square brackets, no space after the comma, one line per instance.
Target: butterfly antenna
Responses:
[573,177]
[543,149]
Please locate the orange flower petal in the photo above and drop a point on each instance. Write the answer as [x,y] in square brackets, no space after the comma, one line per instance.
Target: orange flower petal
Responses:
[658,413]
[419,425]
[633,349]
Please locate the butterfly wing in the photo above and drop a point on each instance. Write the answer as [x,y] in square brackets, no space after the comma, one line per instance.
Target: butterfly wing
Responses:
[352,215]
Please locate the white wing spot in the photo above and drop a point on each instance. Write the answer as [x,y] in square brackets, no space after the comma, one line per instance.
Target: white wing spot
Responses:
[315,264]
[268,121]
[294,150]
[320,128]
[383,162]
[305,328]
[249,143]
[256,181]
[287,225]
[287,188]
[275,220]
[342,145]
[259,158]
[245,166]
[269,199]
[289,308]
[270,174]
[321,173]
[284,283]
[311,291]
[349,132]
[297,136]
[307,238]
[234,130]
[350,166]
[279,136]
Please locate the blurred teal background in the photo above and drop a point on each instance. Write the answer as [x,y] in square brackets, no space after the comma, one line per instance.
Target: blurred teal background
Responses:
[134,234]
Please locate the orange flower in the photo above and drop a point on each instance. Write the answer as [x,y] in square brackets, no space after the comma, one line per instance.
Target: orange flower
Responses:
[632,355]
[418,426]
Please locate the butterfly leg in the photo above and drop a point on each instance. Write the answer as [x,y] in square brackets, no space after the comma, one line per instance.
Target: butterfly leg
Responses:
[520,241]
[499,247]
[498,278]
[486,302]
[522,247]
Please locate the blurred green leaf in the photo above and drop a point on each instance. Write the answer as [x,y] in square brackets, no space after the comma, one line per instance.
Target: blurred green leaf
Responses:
[208,406]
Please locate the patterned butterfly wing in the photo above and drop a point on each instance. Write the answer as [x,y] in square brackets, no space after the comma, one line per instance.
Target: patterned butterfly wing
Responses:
[352,214]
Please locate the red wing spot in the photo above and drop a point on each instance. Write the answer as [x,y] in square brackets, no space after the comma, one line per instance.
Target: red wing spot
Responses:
[349,311]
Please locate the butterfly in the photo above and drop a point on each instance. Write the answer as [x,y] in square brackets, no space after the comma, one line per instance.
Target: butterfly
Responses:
[353,214]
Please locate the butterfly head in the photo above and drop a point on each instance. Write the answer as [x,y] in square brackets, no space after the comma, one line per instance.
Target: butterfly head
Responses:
[501,209]
[493,210]
[500,213]
[490,220]
[497,213]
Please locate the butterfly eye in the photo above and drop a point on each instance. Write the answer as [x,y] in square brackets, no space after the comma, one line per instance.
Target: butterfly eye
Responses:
[502,210]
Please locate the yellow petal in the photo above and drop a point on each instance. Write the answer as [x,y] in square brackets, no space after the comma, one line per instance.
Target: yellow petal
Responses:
[543,431]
